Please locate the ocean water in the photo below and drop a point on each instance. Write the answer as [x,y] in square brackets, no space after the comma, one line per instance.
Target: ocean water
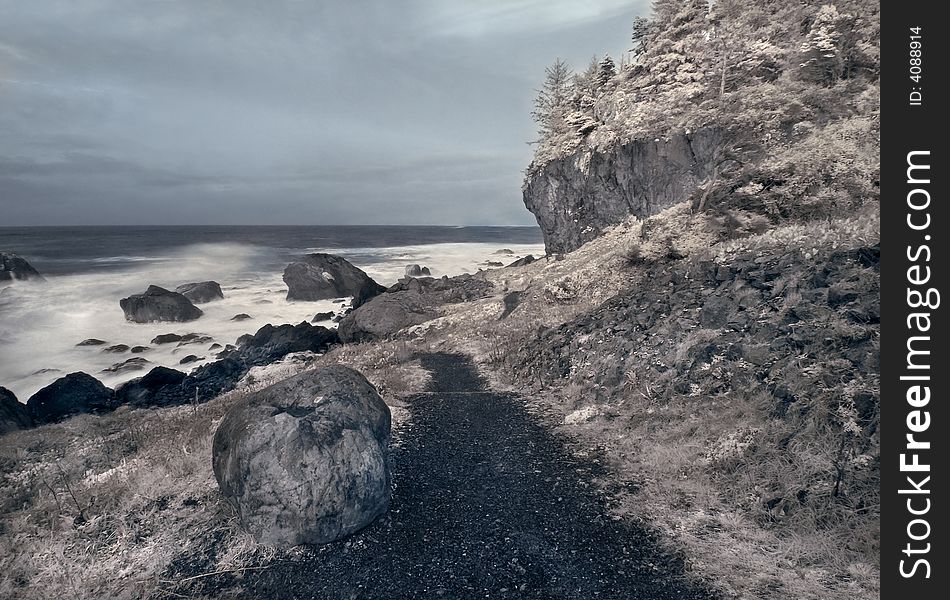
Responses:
[89,269]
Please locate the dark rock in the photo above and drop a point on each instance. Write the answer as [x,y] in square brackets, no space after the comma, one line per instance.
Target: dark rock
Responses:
[304,461]
[166,338]
[92,342]
[512,300]
[13,414]
[271,343]
[194,338]
[133,364]
[139,349]
[527,260]
[201,292]
[117,349]
[189,359]
[15,268]
[504,251]
[597,189]
[325,276]
[493,263]
[158,304]
[241,317]
[73,394]
[323,316]
[716,312]
[159,387]
[214,346]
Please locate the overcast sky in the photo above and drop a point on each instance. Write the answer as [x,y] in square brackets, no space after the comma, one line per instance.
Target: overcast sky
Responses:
[280,112]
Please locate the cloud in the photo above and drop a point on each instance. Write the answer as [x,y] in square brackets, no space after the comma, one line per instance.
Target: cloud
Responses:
[360,112]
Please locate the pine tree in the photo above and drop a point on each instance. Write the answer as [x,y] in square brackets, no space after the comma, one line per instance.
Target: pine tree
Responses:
[553,102]
[642,29]
[607,70]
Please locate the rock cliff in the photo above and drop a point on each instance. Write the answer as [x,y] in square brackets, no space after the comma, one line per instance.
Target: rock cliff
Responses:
[576,196]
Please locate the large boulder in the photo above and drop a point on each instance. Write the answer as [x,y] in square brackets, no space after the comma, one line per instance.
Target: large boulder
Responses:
[411,301]
[159,304]
[325,276]
[13,414]
[521,262]
[272,343]
[304,461]
[14,267]
[201,292]
[74,394]
[159,387]
[384,316]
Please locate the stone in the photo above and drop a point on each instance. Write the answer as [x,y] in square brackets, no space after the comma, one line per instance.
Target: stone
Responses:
[139,349]
[527,260]
[14,267]
[158,304]
[72,394]
[384,316]
[323,316]
[305,461]
[241,317]
[191,358]
[117,349]
[272,343]
[201,292]
[133,364]
[92,342]
[325,276]
[159,387]
[417,271]
[166,338]
[13,414]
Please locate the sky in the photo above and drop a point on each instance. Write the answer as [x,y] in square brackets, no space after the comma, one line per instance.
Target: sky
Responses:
[174,112]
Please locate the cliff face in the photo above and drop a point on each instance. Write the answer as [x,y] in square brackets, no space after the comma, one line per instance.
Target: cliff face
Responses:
[575,197]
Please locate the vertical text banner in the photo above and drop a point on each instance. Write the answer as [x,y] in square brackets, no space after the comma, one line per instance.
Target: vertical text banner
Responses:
[915,373]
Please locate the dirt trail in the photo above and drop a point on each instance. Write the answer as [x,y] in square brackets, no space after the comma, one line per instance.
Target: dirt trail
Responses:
[487,504]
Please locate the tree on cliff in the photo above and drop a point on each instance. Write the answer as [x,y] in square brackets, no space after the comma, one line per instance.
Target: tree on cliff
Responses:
[552,105]
[607,70]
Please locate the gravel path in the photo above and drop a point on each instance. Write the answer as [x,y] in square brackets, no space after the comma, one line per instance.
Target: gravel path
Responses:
[487,504]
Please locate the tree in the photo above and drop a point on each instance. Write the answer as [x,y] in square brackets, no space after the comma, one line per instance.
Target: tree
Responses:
[607,70]
[828,51]
[642,30]
[553,102]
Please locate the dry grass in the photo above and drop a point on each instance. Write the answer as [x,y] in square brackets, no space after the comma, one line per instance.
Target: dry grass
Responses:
[126,506]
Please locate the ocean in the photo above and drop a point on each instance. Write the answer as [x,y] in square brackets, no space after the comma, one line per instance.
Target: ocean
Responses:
[89,269]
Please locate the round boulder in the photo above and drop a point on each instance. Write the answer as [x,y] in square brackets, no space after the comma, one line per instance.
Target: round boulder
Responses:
[304,461]
[73,394]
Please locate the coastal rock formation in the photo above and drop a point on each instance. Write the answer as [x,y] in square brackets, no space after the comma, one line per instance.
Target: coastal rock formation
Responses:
[14,267]
[409,302]
[159,387]
[74,394]
[272,343]
[241,317]
[304,461]
[92,342]
[201,292]
[325,276]
[166,338]
[417,271]
[13,414]
[575,197]
[322,316]
[158,304]
[191,358]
